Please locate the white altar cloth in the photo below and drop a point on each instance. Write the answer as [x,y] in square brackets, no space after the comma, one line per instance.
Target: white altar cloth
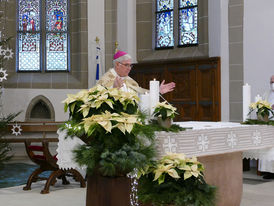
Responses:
[210,138]
[65,147]
[205,138]
[195,125]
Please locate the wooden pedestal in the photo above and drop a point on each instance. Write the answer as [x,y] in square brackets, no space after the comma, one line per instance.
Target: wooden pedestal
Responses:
[108,191]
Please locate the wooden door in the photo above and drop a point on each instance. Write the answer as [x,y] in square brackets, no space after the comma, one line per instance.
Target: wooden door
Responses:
[197,92]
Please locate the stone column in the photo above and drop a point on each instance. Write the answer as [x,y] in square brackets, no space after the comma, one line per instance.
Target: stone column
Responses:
[219,46]
[96,22]
[126,26]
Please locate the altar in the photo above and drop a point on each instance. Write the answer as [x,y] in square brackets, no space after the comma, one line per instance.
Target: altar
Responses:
[218,145]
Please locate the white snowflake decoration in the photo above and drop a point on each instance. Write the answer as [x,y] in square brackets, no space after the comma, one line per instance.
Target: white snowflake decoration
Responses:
[232,140]
[3,75]
[16,129]
[257,138]
[203,142]
[170,144]
[8,54]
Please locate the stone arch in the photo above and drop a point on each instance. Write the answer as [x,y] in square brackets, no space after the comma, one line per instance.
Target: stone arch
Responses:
[40,109]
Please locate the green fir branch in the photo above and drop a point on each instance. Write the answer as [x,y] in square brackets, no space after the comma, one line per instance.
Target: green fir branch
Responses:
[260,122]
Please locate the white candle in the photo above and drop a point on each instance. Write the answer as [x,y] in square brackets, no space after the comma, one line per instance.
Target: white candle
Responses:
[154,94]
[144,104]
[258,98]
[246,100]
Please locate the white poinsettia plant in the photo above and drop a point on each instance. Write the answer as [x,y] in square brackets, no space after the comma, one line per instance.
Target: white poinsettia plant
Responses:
[164,110]
[109,108]
[108,121]
[175,165]
[263,109]
[175,180]
[124,122]
[98,98]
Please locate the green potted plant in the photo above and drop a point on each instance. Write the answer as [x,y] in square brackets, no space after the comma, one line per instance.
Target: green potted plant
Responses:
[175,180]
[164,112]
[263,110]
[108,121]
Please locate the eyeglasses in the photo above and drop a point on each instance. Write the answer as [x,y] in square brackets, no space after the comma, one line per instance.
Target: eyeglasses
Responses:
[127,65]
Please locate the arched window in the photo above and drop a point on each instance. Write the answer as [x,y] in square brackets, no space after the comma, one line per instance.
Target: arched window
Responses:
[188,31]
[164,24]
[42,35]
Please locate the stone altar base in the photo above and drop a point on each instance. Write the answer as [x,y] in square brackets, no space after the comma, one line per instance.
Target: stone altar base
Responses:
[225,171]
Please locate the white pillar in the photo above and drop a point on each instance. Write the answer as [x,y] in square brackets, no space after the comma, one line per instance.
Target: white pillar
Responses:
[126,26]
[219,46]
[96,28]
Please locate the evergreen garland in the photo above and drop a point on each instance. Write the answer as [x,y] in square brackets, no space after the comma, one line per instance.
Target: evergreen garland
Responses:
[115,154]
[155,126]
[256,121]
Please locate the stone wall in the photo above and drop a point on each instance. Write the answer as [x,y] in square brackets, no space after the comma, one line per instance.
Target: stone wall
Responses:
[77,77]
[146,34]
[110,31]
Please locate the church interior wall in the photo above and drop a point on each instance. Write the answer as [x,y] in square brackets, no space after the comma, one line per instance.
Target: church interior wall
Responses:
[258,45]
[110,31]
[21,87]
[16,100]
[145,22]
[77,77]
[250,49]
[219,47]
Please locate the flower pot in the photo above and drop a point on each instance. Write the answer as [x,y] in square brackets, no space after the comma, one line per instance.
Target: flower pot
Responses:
[263,118]
[165,123]
[108,191]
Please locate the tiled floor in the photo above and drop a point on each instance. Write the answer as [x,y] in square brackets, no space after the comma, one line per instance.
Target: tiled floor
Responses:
[68,195]
[256,192]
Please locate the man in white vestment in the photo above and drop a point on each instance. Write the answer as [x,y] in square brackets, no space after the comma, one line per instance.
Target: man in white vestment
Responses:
[264,165]
[117,77]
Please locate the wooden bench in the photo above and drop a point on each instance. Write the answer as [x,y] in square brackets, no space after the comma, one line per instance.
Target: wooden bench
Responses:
[38,151]
[43,128]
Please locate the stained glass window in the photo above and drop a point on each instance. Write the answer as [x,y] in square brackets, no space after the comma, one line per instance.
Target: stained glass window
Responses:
[57,37]
[188,30]
[164,24]
[29,35]
[53,50]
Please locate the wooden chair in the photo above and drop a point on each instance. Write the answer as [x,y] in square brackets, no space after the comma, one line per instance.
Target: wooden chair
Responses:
[47,162]
[38,151]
